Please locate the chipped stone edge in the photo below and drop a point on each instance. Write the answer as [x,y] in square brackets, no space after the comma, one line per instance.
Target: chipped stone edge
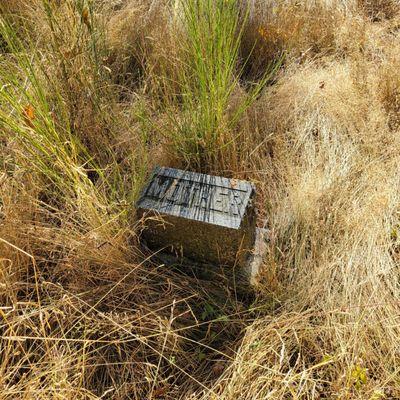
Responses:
[254,264]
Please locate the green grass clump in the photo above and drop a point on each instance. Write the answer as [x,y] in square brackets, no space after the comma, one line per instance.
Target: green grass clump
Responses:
[204,121]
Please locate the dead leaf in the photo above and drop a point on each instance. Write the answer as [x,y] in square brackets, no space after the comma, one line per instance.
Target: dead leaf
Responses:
[29,115]
[85,17]
[218,368]
[160,392]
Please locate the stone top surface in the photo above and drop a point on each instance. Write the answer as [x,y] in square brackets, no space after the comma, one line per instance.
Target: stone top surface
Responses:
[205,198]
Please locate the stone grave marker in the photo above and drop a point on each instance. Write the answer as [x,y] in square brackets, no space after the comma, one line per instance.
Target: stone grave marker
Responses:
[202,217]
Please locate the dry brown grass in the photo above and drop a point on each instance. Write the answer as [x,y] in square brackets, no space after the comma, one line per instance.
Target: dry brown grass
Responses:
[84,312]
[299,30]
[378,10]
[141,36]
[333,245]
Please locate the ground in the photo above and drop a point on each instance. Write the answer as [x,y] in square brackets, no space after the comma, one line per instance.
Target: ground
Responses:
[301,98]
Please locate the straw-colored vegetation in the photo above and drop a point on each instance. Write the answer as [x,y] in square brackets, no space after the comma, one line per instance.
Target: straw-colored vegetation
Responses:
[301,97]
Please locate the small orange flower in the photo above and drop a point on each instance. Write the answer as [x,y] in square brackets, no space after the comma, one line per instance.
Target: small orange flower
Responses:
[29,115]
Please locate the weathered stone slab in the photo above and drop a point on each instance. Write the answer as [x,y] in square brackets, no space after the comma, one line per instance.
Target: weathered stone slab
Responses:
[199,216]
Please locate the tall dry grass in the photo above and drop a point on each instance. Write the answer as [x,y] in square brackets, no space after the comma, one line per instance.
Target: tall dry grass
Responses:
[89,95]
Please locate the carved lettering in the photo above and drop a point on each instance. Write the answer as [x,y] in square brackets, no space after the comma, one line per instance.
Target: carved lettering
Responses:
[182,191]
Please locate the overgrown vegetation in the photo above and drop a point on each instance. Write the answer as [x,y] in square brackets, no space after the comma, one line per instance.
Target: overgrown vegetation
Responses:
[300,97]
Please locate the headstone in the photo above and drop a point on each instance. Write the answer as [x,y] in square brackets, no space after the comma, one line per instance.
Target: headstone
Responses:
[203,217]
